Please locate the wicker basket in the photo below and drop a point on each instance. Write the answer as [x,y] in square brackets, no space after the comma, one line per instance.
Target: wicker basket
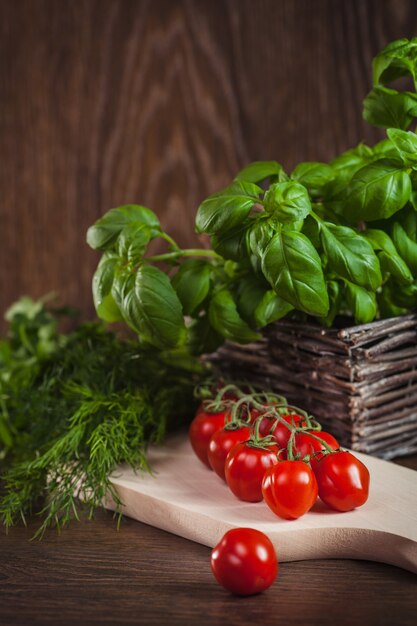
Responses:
[359,381]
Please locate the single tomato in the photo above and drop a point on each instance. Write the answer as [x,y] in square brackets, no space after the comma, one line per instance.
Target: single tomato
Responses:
[244,561]
[305,444]
[221,443]
[343,481]
[281,432]
[245,468]
[289,488]
[202,428]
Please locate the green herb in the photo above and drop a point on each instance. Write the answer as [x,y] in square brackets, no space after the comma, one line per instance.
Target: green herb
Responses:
[75,406]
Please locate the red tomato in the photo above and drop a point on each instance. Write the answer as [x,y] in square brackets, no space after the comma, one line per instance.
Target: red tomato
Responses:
[305,444]
[290,488]
[244,561]
[281,432]
[343,481]
[202,428]
[220,445]
[245,468]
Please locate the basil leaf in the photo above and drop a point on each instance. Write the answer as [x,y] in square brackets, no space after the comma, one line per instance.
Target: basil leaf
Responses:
[350,255]
[133,240]
[192,284]
[250,292]
[386,305]
[385,149]
[228,208]
[232,244]
[388,256]
[404,296]
[397,59]
[376,191]
[153,309]
[405,143]
[104,303]
[260,235]
[344,167]
[293,268]
[226,321]
[202,338]
[104,233]
[258,171]
[288,202]
[389,109]
[314,176]
[335,297]
[361,302]
[123,283]
[270,309]
[406,247]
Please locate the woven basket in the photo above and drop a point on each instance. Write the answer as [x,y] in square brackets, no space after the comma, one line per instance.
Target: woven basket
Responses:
[359,381]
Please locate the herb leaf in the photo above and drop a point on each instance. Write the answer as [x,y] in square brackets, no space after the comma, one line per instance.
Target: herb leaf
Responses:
[361,302]
[350,255]
[388,256]
[104,233]
[192,284]
[226,209]
[288,202]
[258,171]
[293,268]
[226,320]
[376,191]
[153,309]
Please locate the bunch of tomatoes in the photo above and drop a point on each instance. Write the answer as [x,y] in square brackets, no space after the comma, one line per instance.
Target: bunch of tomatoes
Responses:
[266,449]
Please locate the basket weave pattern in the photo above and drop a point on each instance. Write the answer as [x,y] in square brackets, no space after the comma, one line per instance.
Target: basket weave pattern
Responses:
[359,381]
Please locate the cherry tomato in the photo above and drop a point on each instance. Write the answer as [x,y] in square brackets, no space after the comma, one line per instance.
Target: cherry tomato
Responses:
[244,561]
[202,428]
[305,444]
[281,432]
[290,488]
[221,443]
[245,468]
[343,481]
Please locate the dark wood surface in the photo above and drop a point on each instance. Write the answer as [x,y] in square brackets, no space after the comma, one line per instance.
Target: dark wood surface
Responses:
[160,102]
[94,574]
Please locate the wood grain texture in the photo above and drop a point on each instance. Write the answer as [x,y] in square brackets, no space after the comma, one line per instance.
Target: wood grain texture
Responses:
[160,102]
[92,574]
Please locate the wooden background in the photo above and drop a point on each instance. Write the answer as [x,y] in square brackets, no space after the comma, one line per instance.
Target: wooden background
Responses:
[160,102]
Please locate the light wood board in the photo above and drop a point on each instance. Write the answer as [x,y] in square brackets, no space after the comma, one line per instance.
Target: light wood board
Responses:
[184,497]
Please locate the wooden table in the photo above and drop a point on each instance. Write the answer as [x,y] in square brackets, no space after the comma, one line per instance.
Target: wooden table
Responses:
[94,574]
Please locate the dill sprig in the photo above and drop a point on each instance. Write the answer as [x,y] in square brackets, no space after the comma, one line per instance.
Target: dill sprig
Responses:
[72,408]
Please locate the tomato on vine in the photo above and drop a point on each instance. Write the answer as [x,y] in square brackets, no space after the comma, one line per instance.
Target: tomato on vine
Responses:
[222,442]
[281,430]
[308,443]
[289,488]
[343,481]
[245,468]
[202,428]
[244,561]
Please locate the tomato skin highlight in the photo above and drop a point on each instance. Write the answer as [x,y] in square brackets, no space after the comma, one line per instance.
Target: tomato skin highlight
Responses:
[201,429]
[304,444]
[220,445]
[244,561]
[245,468]
[290,489]
[343,481]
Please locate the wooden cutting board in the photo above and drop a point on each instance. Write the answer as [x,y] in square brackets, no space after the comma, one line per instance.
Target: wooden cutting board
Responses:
[184,497]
